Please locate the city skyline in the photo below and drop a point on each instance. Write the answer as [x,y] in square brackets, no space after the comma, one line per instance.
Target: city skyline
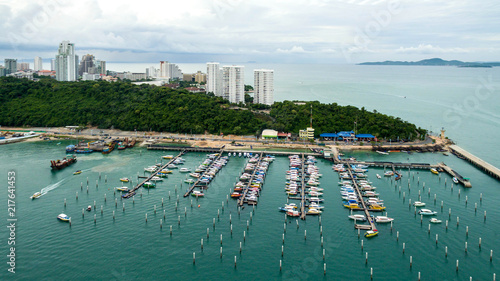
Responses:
[318,31]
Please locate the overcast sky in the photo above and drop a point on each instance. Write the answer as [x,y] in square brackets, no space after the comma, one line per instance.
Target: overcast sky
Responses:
[289,31]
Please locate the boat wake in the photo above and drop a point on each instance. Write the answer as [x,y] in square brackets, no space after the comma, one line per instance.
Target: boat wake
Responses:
[51,187]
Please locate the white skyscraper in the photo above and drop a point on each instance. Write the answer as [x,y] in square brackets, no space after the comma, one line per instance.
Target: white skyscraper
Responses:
[170,71]
[263,86]
[66,62]
[38,64]
[233,81]
[214,79]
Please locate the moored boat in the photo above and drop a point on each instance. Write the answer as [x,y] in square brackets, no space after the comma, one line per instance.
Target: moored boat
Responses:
[124,179]
[184,170]
[89,208]
[371,233]
[63,217]
[357,217]
[418,204]
[60,164]
[149,184]
[122,188]
[434,171]
[383,219]
[434,220]
[455,180]
[426,212]
[197,193]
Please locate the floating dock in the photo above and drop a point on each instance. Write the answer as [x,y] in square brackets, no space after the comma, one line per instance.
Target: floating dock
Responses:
[241,200]
[302,190]
[455,174]
[360,196]
[217,149]
[132,191]
[476,161]
[196,184]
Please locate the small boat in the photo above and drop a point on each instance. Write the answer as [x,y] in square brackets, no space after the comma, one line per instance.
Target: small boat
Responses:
[313,211]
[122,188]
[418,204]
[149,184]
[150,169]
[36,195]
[156,178]
[291,205]
[89,208]
[371,233]
[382,152]
[378,176]
[63,217]
[383,219]
[197,193]
[455,180]
[357,217]
[172,166]
[293,213]
[389,174]
[434,220]
[434,171]
[167,157]
[426,212]
[235,195]
[189,181]
[194,175]
[184,170]
[124,179]
[77,172]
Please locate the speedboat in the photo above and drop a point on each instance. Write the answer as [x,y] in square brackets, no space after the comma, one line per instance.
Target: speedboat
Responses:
[124,179]
[434,220]
[172,166]
[313,211]
[376,207]
[122,188]
[36,195]
[434,171]
[357,217]
[291,205]
[156,178]
[418,204]
[378,176]
[184,170]
[189,181]
[63,217]
[426,212]
[194,175]
[316,206]
[149,184]
[389,174]
[167,156]
[89,208]
[77,172]
[455,180]
[293,213]
[371,233]
[197,193]
[150,169]
[235,195]
[383,219]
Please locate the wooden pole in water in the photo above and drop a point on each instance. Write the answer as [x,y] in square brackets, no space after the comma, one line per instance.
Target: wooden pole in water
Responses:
[240,247]
[446,224]
[123,206]
[403,247]
[419,276]
[467,231]
[305,234]
[221,239]
[83,213]
[221,252]
[179,220]
[458,220]
[244,236]
[429,231]
[194,257]
[491,255]
[366,258]
[101,209]
[214,223]
[282,249]
[437,239]
[446,251]
[95,218]
[465,247]
[457,265]
[397,235]
[170,230]
[146,217]
[479,242]
[411,261]
[371,273]
[202,244]
[485,215]
[280,264]
[361,244]
[234,261]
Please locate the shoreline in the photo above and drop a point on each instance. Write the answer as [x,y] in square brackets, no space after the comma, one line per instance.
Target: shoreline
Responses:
[231,142]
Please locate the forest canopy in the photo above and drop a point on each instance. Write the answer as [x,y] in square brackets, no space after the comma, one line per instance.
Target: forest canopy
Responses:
[125,106]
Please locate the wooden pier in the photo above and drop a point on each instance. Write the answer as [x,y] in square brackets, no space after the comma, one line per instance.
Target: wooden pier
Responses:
[196,184]
[132,191]
[302,190]
[454,174]
[241,200]
[476,161]
[216,149]
[360,196]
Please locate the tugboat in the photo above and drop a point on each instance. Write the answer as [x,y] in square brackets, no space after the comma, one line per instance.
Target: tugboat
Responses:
[60,164]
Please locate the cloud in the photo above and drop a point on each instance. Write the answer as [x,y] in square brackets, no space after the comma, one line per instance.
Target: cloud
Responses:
[293,50]
[429,49]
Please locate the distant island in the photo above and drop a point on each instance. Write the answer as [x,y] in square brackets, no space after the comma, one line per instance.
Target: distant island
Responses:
[436,62]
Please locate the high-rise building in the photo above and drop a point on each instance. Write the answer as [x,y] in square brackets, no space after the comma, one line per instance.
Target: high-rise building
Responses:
[38,65]
[52,65]
[263,86]
[3,71]
[10,66]
[87,65]
[101,67]
[170,71]
[22,66]
[66,62]
[214,78]
[151,72]
[233,79]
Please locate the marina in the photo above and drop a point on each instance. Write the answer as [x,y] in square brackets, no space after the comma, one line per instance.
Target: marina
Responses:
[199,181]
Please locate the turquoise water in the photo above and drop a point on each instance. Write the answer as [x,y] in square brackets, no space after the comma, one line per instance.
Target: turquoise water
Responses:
[128,248]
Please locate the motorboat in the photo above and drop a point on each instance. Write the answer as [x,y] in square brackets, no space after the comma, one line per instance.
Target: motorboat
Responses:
[36,195]
[376,207]
[156,178]
[194,175]
[389,174]
[293,213]
[122,188]
[291,205]
[434,220]
[315,199]
[172,166]
[383,219]
[371,233]
[184,170]
[378,176]
[418,204]
[357,217]
[313,211]
[197,193]
[167,157]
[149,184]
[235,195]
[434,171]
[124,179]
[426,212]
[455,180]
[316,206]
[63,217]
[77,172]
[189,181]
[150,169]
[89,208]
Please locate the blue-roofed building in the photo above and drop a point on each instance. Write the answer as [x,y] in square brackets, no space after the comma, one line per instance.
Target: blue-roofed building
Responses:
[329,136]
[366,137]
[346,136]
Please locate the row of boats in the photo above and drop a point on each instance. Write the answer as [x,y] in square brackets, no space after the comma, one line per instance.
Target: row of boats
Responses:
[250,183]
[306,183]
[206,172]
